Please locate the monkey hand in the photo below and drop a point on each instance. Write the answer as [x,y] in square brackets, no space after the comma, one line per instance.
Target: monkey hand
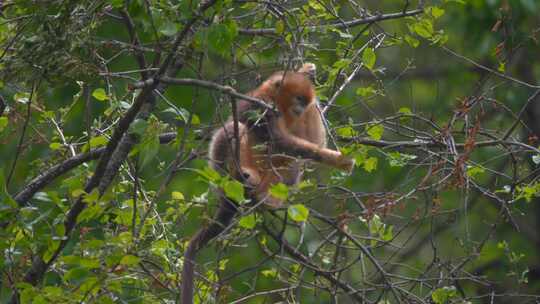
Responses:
[337,160]
[345,163]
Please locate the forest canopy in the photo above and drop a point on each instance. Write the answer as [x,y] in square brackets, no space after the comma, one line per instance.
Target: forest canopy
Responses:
[107,109]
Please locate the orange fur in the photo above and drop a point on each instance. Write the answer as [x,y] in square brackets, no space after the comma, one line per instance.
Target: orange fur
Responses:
[269,149]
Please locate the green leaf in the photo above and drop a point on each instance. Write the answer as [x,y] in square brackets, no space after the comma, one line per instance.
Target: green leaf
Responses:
[375,131]
[405,110]
[298,213]
[346,132]
[279,191]
[209,174]
[387,233]
[369,58]
[3,123]
[130,260]
[117,3]
[412,41]
[397,159]
[98,141]
[502,67]
[90,213]
[195,120]
[22,97]
[436,12]
[269,273]
[176,195]
[138,127]
[55,146]
[424,28]
[148,148]
[77,192]
[366,92]
[234,190]
[76,274]
[248,221]
[221,36]
[280,27]
[444,294]
[406,113]
[6,202]
[181,113]
[473,171]
[90,263]
[370,164]
[528,192]
[91,197]
[342,63]
[168,28]
[100,94]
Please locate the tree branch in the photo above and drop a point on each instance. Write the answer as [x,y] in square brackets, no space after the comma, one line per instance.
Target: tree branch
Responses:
[107,163]
[204,84]
[353,293]
[48,176]
[139,54]
[338,25]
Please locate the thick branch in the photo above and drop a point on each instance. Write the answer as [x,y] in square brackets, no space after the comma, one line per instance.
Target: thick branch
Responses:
[48,176]
[105,166]
[3,105]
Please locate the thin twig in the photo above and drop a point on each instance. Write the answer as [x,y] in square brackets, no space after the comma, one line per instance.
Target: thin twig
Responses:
[338,25]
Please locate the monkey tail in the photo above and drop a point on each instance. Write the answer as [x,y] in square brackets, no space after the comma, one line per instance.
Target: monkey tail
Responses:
[222,219]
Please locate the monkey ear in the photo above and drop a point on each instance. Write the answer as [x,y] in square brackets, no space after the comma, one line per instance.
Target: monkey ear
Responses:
[309,69]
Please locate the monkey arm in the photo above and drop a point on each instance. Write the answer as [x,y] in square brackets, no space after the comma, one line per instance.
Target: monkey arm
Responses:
[295,146]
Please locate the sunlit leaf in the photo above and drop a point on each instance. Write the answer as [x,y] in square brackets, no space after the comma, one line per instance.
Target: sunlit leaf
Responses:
[234,190]
[444,294]
[370,164]
[100,94]
[375,131]
[247,221]
[177,195]
[130,260]
[298,213]
[369,58]
[279,191]
[346,132]
[98,141]
[3,123]
[55,146]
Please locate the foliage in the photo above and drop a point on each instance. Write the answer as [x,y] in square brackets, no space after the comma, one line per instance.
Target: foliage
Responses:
[104,129]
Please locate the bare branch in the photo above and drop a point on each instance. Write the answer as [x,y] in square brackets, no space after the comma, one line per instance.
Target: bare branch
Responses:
[204,84]
[338,25]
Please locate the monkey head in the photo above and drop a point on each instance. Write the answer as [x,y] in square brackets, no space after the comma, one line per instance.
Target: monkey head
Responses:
[292,92]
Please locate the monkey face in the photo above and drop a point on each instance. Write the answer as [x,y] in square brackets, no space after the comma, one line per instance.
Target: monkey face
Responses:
[299,105]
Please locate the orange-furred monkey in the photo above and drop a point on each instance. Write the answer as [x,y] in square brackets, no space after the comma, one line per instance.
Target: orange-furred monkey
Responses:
[268,147]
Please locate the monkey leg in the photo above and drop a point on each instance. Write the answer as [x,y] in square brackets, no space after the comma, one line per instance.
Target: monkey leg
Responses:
[222,154]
